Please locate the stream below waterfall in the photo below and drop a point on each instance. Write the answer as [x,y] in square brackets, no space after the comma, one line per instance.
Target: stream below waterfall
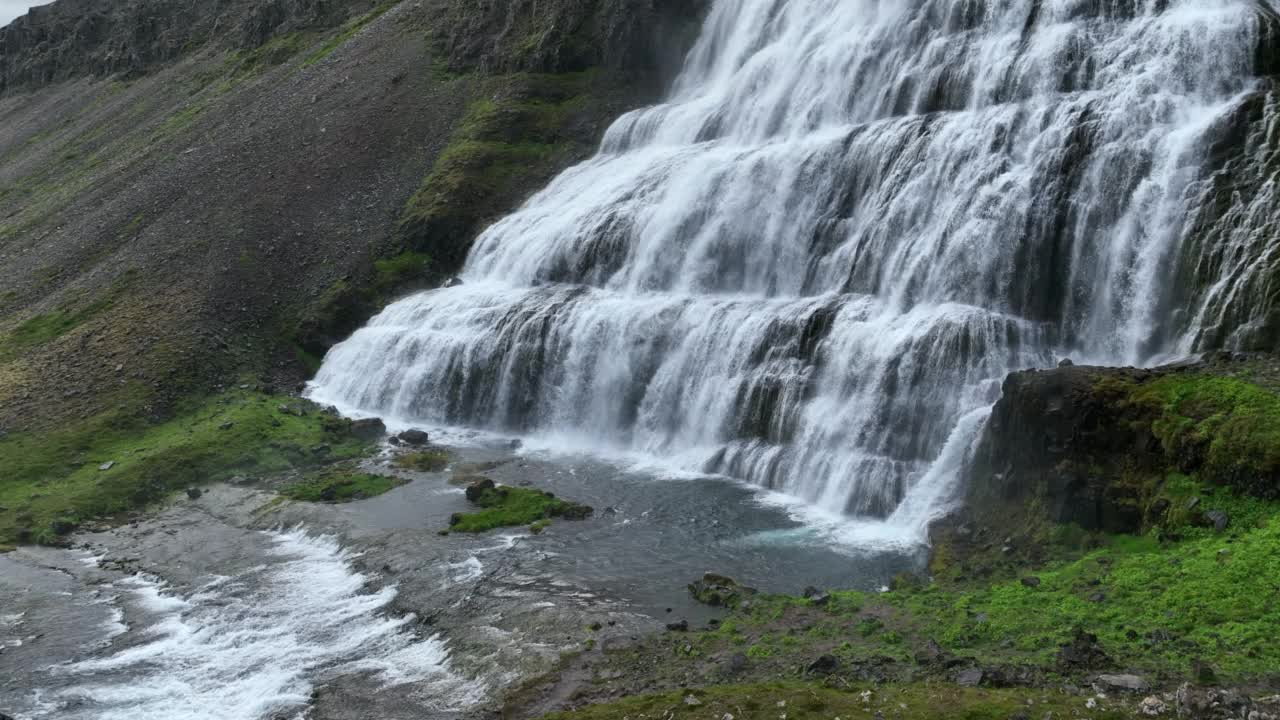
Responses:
[235,607]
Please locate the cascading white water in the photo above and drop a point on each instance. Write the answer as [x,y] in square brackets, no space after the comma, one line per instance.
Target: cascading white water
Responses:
[850,220]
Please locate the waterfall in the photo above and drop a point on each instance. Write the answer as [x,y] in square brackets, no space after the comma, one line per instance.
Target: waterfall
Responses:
[811,267]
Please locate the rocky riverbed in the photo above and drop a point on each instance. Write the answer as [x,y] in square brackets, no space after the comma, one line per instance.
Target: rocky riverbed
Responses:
[237,603]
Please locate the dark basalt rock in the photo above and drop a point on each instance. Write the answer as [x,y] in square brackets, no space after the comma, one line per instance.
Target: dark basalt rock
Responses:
[194,493]
[368,429]
[416,438]
[824,665]
[1082,653]
[478,488]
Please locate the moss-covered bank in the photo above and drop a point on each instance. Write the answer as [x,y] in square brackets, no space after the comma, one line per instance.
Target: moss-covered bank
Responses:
[121,460]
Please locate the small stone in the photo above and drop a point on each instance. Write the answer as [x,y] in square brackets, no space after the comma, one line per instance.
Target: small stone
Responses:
[1031,581]
[682,626]
[1193,503]
[107,465]
[1218,519]
[1152,706]
[692,701]
[971,677]
[476,489]
[194,493]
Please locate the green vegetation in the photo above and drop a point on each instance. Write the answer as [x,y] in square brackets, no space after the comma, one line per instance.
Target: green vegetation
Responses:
[1154,607]
[346,34]
[797,701]
[1225,429]
[433,460]
[511,506]
[340,484]
[117,461]
[505,145]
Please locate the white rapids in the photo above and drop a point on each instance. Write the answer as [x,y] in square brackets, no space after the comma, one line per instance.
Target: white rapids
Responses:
[812,266]
[253,646]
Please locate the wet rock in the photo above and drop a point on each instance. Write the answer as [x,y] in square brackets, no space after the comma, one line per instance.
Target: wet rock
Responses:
[453,282]
[1193,503]
[1082,653]
[1065,362]
[107,465]
[320,450]
[414,437]
[226,426]
[1031,581]
[970,677]
[719,591]
[368,429]
[820,600]
[573,511]
[194,493]
[682,626]
[1218,519]
[515,444]
[1120,683]
[824,665]
[62,527]
[478,488]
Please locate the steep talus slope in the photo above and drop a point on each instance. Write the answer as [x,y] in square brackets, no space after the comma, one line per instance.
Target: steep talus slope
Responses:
[171,219]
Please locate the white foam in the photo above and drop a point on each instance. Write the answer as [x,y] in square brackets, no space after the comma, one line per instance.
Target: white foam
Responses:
[255,646]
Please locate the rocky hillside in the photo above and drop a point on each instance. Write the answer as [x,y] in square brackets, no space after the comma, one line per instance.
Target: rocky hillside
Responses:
[192,193]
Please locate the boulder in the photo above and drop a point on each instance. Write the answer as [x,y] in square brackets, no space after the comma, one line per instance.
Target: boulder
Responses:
[1082,653]
[107,465]
[1120,683]
[824,665]
[736,664]
[478,488]
[682,626]
[368,429]
[194,493]
[969,677]
[414,437]
[1031,581]
[719,591]
[1218,519]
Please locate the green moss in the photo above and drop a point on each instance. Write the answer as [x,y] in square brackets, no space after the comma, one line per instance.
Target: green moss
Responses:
[1225,429]
[56,477]
[512,506]
[50,326]
[506,143]
[434,460]
[340,485]
[346,34]
[801,701]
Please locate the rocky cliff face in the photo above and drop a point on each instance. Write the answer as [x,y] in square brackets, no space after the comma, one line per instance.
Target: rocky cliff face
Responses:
[1077,451]
[195,192]
[73,38]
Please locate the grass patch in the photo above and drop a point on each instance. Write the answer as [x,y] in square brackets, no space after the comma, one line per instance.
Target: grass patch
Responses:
[1154,606]
[434,460]
[48,327]
[506,506]
[799,701]
[340,485]
[54,481]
